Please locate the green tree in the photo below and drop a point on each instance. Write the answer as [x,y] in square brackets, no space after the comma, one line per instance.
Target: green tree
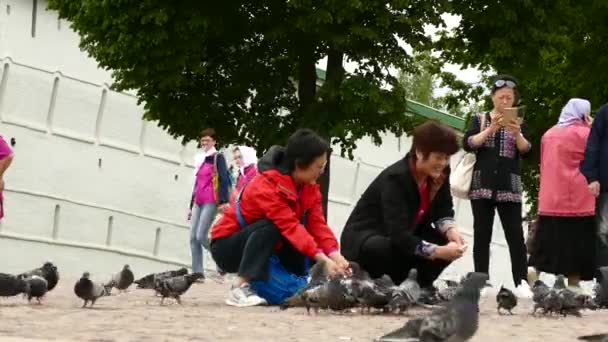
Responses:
[555,49]
[247,68]
[420,83]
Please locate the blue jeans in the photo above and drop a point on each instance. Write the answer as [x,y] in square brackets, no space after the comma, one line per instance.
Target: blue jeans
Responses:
[202,218]
[602,229]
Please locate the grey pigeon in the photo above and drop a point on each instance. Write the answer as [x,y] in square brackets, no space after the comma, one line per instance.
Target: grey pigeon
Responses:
[540,296]
[506,300]
[12,286]
[594,337]
[566,302]
[601,288]
[317,276]
[38,287]
[406,294]
[88,290]
[457,321]
[48,271]
[149,281]
[122,280]
[174,287]
[371,293]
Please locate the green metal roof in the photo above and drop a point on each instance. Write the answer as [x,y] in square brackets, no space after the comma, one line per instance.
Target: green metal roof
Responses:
[424,110]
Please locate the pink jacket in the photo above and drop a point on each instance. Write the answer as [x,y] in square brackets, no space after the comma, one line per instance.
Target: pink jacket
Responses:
[563,189]
[248,173]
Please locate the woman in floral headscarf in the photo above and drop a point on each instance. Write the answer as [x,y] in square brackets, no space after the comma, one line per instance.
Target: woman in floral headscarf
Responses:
[565,238]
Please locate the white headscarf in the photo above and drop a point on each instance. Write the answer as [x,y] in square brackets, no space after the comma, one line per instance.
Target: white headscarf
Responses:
[574,111]
[248,156]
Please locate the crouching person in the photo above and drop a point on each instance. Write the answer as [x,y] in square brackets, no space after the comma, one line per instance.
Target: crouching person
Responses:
[277,214]
[404,219]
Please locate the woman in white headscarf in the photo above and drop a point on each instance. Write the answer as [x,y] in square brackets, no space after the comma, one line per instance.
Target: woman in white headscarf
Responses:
[565,238]
[246,159]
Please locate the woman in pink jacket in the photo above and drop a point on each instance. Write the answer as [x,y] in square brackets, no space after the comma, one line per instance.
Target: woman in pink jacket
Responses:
[565,237]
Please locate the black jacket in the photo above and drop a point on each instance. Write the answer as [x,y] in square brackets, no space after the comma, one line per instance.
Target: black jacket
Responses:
[595,165]
[389,206]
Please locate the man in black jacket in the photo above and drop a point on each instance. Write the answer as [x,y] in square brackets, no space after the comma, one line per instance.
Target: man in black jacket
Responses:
[405,218]
[595,168]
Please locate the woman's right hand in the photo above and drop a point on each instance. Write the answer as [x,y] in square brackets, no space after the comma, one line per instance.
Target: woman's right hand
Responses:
[332,268]
[495,123]
[449,252]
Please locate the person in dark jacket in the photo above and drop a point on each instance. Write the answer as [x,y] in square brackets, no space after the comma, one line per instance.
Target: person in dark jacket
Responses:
[405,218]
[278,212]
[595,169]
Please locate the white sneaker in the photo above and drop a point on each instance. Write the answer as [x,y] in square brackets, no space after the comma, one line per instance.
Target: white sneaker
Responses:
[524,290]
[244,296]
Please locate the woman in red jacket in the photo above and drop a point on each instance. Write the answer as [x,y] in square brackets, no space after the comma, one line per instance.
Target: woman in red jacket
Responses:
[279,211]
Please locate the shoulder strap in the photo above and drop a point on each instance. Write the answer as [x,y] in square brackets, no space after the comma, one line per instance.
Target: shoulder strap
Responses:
[215,162]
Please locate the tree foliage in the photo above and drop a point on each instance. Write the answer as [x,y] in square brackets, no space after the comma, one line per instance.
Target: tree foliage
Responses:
[555,48]
[247,68]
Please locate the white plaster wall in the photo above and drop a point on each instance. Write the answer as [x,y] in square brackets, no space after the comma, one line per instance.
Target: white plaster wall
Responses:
[93,186]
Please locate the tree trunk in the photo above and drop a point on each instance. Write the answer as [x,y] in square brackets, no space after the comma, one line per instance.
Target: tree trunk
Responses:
[334,76]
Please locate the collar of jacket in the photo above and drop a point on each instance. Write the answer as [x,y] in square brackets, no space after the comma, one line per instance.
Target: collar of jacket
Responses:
[433,184]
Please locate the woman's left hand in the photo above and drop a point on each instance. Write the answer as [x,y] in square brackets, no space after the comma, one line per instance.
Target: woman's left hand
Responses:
[453,235]
[513,127]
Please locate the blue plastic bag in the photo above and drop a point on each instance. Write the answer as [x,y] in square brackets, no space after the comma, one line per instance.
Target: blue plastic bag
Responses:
[281,283]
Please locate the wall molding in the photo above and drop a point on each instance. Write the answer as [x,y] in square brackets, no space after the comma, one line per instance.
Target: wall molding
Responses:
[72,244]
[96,206]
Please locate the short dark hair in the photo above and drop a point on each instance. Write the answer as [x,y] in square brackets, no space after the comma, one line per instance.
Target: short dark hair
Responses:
[303,147]
[504,77]
[208,132]
[433,136]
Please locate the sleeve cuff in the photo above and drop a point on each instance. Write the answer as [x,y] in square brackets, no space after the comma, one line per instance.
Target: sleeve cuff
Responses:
[444,224]
[331,252]
[425,249]
[470,142]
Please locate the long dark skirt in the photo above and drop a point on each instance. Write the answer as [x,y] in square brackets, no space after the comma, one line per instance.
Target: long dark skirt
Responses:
[566,245]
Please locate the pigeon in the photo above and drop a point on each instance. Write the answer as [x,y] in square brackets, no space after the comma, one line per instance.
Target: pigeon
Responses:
[122,280]
[149,281]
[566,302]
[38,287]
[406,294]
[318,276]
[88,290]
[601,288]
[175,286]
[506,300]
[594,337]
[12,286]
[48,271]
[457,321]
[542,297]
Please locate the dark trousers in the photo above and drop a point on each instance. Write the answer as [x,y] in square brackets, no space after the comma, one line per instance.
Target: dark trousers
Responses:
[601,215]
[379,256]
[247,252]
[510,217]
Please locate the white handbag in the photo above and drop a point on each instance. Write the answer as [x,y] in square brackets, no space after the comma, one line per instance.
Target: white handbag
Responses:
[462,175]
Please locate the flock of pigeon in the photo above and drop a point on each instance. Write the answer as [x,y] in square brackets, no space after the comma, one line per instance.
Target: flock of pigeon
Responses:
[36,283]
[454,309]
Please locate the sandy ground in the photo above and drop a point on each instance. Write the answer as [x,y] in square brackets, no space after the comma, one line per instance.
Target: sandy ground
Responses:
[137,316]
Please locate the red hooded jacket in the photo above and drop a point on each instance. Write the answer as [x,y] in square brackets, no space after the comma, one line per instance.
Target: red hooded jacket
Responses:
[273,195]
